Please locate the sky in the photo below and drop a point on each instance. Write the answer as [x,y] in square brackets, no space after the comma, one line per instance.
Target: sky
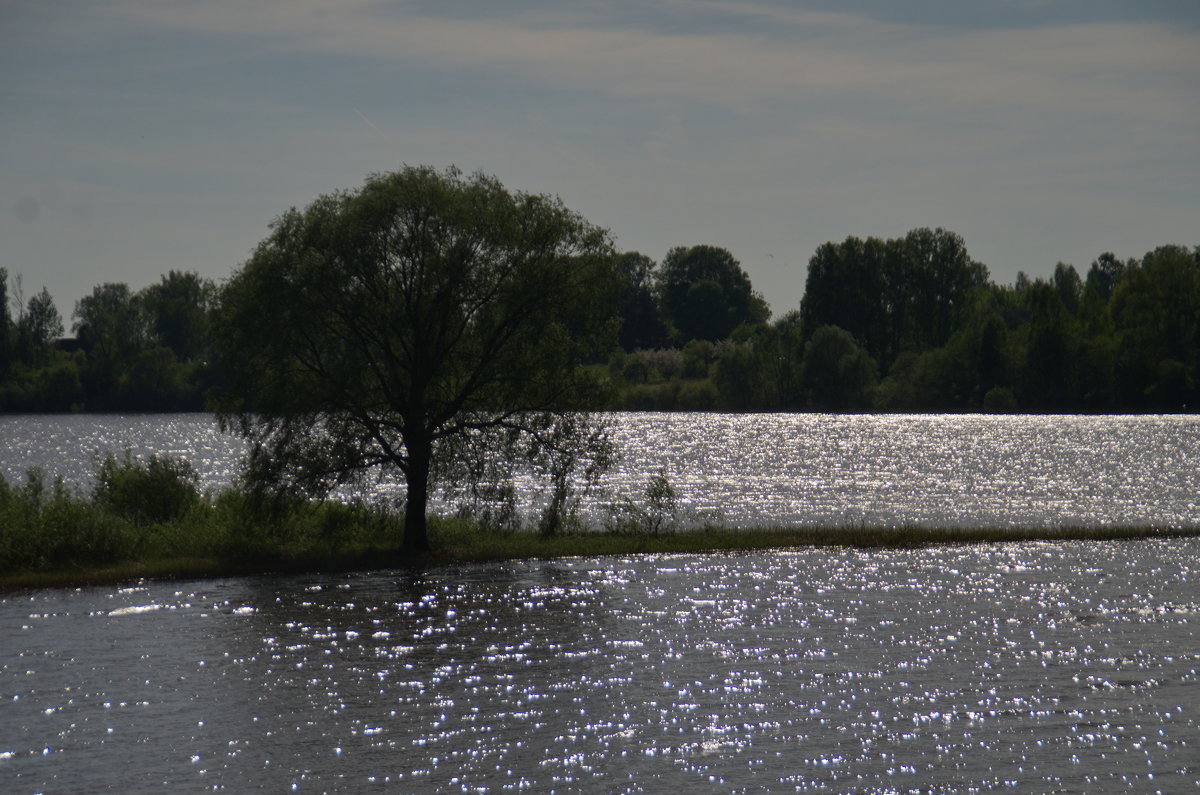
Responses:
[141,136]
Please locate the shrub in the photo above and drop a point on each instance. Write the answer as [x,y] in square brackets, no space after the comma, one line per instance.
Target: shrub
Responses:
[664,363]
[658,513]
[999,400]
[47,527]
[652,397]
[698,396]
[159,490]
[697,356]
[636,371]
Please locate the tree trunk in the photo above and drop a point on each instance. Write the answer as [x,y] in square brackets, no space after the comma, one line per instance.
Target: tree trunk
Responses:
[416,537]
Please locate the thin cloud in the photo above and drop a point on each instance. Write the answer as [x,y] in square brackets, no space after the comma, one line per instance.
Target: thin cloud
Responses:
[1131,68]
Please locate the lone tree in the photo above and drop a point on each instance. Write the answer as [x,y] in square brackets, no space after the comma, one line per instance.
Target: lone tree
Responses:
[423,324]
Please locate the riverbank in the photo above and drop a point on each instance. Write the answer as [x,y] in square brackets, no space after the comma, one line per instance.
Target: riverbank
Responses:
[457,541]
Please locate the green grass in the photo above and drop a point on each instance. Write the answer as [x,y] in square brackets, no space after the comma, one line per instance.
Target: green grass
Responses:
[147,520]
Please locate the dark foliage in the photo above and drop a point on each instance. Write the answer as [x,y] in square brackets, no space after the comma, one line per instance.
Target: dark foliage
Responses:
[429,325]
[693,334]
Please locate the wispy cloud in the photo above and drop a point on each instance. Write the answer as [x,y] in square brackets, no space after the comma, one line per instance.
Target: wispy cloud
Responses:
[761,126]
[1125,67]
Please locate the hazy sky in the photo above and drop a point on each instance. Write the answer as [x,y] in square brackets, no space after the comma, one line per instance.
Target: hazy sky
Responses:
[138,136]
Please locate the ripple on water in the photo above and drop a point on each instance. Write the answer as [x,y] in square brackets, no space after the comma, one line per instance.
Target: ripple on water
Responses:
[935,470]
[1053,666]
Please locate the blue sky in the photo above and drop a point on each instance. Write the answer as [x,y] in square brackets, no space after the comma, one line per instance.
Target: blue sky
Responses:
[138,136]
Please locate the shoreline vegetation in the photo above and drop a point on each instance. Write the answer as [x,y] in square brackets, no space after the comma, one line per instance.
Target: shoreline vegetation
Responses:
[911,324]
[147,520]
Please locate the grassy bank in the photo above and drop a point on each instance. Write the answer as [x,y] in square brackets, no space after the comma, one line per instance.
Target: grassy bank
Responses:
[149,520]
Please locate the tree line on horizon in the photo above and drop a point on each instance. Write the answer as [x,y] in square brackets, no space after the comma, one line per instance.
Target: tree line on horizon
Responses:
[915,324]
[905,324]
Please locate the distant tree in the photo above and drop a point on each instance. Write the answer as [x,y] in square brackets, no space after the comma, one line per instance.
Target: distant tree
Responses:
[906,294]
[153,381]
[1048,381]
[739,378]
[697,356]
[761,368]
[56,386]
[705,294]
[110,325]
[846,287]
[704,313]
[641,322]
[989,344]
[1069,286]
[6,332]
[45,324]
[1103,276]
[37,328]
[780,347]
[178,310]
[1156,316]
[976,360]
[837,374]
[929,284]
[426,323]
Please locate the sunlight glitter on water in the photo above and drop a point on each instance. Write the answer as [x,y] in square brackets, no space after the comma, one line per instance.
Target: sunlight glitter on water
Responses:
[1051,666]
[748,469]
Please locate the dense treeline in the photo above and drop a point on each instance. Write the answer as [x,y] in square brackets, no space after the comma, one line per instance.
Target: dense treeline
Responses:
[905,324]
[915,324]
[132,351]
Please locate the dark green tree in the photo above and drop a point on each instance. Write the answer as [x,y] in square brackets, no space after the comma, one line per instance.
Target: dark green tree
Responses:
[705,294]
[906,294]
[846,287]
[6,330]
[641,321]
[177,312]
[930,282]
[739,378]
[1156,316]
[426,323]
[110,325]
[1049,377]
[1069,286]
[1103,276]
[837,374]
[761,369]
[37,329]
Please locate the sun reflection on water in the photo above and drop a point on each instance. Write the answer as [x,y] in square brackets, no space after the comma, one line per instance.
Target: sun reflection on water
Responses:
[745,469]
[1044,666]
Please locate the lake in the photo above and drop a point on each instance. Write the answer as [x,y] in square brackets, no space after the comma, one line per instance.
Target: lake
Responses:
[808,469]
[1065,666]
[1047,667]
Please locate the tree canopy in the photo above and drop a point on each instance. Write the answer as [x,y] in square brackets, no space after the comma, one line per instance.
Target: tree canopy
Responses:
[1119,336]
[705,294]
[394,327]
[905,294]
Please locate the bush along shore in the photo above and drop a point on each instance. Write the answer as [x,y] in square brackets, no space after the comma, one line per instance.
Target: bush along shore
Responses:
[149,519]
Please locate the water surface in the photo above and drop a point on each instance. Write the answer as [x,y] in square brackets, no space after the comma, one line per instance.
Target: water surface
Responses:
[745,469]
[1049,667]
